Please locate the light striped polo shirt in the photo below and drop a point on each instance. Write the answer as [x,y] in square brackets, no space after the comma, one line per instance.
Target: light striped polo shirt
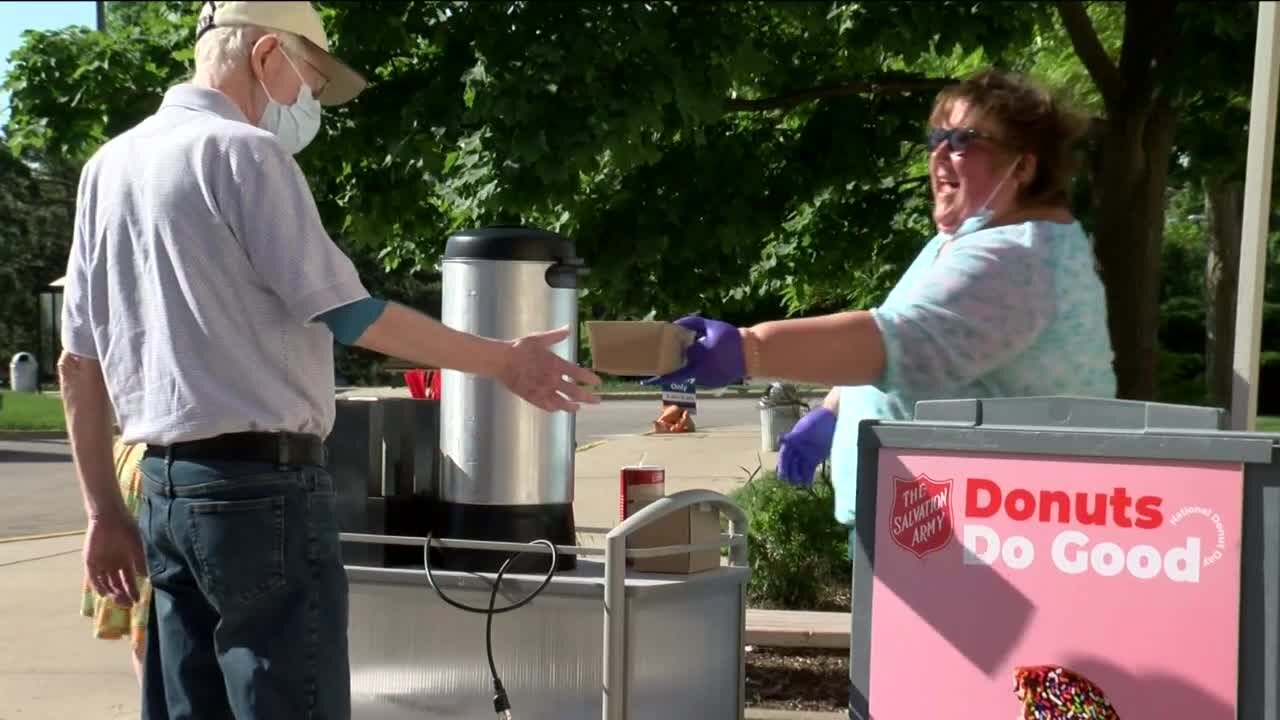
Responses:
[198,268]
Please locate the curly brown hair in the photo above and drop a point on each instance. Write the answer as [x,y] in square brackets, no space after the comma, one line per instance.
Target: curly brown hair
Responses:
[1028,119]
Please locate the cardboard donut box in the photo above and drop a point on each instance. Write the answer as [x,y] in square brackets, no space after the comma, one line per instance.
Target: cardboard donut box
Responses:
[648,348]
[637,348]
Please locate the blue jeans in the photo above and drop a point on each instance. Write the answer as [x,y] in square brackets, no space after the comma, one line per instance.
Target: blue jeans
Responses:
[249,615]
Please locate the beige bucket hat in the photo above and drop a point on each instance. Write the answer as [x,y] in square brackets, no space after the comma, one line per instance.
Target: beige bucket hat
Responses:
[301,20]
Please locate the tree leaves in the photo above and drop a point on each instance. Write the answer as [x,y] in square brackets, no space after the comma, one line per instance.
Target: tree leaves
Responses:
[36,211]
[73,89]
[624,126]
[733,157]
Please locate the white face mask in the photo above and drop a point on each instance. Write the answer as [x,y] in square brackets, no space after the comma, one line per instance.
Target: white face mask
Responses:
[983,215]
[295,125]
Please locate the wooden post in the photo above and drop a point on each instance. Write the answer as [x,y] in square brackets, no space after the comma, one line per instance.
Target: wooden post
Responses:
[1257,215]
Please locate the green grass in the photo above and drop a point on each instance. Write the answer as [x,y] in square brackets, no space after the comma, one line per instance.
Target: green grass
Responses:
[29,411]
[616,385]
[1268,423]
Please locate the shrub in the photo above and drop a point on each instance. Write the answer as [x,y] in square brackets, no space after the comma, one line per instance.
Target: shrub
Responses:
[798,552]
[1269,384]
[1181,378]
[1182,325]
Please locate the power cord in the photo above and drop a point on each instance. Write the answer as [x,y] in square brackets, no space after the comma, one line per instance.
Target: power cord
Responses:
[501,705]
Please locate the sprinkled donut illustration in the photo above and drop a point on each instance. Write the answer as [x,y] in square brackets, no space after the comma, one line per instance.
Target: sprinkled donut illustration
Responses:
[1048,692]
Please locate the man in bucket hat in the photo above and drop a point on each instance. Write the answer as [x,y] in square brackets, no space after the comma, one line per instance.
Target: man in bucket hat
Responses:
[202,300]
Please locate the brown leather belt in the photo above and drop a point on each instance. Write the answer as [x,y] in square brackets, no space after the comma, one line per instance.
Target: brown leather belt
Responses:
[290,449]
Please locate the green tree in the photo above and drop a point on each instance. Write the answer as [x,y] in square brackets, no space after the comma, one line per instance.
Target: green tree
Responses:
[719,157]
[36,210]
[1178,76]
[729,158]
[1130,172]
[72,89]
[1211,155]
[1151,64]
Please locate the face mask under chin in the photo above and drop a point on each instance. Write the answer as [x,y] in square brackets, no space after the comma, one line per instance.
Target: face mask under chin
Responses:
[979,218]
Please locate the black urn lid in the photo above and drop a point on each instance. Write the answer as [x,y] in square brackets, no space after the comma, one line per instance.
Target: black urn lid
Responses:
[510,242]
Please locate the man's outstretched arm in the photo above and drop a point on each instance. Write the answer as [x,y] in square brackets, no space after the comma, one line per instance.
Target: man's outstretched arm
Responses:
[527,366]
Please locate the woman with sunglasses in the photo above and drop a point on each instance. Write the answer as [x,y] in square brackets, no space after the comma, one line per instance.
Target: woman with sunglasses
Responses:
[1005,300]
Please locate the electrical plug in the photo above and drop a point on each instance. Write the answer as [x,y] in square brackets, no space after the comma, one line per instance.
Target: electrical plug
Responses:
[501,705]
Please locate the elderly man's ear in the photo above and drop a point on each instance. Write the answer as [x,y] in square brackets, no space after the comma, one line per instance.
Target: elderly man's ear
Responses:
[261,53]
[271,69]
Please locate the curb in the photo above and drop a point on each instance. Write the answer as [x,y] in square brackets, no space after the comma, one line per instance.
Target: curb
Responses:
[43,536]
[587,446]
[33,435]
[642,395]
[766,714]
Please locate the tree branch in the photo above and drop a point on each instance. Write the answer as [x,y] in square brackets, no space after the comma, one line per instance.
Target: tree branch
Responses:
[1084,39]
[908,182]
[1094,129]
[52,179]
[791,100]
[1150,39]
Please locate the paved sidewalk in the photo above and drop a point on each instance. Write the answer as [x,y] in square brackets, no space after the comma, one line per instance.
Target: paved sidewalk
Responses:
[719,460]
[50,666]
[52,669]
[753,392]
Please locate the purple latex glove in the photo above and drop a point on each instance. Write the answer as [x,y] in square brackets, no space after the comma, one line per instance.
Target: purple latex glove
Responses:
[806,446]
[715,358]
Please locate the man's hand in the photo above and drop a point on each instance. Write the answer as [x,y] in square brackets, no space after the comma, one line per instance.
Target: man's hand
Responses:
[526,366]
[113,557]
[545,379]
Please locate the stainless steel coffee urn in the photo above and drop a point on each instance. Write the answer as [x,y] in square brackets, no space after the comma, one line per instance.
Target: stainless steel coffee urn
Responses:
[506,466]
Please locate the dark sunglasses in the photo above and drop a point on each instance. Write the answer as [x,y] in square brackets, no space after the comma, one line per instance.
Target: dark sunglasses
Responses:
[957,139]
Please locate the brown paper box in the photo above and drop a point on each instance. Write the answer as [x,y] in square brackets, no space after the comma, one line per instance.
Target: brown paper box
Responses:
[694,525]
[620,347]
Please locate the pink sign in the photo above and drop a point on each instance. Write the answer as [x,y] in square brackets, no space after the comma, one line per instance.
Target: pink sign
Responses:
[1127,573]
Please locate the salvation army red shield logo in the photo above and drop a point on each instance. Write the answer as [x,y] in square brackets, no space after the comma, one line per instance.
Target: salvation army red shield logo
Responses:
[920,521]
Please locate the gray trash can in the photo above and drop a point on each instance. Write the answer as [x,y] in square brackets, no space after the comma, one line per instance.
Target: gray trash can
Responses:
[1136,545]
[780,409]
[24,373]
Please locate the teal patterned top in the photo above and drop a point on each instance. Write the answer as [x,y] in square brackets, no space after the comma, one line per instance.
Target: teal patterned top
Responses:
[1007,311]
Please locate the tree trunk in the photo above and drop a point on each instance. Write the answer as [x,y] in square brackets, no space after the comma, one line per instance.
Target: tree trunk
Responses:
[1224,211]
[1133,168]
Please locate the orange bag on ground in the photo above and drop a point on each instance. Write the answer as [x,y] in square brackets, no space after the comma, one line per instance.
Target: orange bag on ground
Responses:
[674,419]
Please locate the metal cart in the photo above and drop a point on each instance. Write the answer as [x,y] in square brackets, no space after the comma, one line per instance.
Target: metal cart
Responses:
[671,646]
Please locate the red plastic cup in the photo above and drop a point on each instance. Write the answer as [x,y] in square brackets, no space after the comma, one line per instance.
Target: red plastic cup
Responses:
[416,380]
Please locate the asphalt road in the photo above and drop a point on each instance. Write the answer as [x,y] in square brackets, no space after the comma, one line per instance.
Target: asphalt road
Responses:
[626,417]
[38,492]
